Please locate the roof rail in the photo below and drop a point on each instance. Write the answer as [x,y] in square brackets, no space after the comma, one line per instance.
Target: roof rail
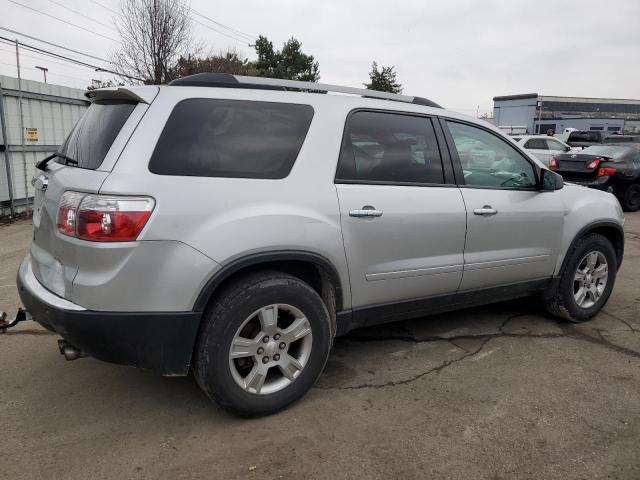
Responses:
[226,80]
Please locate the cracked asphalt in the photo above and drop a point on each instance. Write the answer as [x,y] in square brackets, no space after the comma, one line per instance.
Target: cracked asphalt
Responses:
[496,392]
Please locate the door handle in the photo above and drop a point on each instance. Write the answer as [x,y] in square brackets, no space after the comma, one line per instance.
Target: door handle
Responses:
[366,211]
[486,211]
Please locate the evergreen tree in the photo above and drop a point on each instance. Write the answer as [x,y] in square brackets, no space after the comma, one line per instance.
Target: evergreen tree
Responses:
[383,80]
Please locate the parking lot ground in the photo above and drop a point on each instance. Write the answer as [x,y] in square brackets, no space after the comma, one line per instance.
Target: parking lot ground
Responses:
[496,392]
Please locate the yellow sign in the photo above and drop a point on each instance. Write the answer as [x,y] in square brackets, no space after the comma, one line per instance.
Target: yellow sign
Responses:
[31,134]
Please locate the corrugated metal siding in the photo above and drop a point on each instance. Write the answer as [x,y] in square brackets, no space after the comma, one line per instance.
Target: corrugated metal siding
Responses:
[53,114]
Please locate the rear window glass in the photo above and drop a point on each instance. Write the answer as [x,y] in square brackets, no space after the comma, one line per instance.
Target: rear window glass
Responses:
[231,138]
[536,144]
[389,147]
[606,151]
[92,137]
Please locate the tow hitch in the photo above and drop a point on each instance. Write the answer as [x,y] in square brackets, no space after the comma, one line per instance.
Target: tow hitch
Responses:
[21,316]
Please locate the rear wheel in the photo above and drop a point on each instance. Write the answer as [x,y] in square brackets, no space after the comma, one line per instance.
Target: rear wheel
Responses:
[587,280]
[265,343]
[630,198]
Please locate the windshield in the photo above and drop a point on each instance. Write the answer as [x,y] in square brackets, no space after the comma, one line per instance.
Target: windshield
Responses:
[91,138]
[609,151]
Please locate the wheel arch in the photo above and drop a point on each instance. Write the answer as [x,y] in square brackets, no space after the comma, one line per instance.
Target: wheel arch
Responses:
[610,230]
[310,267]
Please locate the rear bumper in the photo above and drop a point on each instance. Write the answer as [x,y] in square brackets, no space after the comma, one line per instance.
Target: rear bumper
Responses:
[601,183]
[158,341]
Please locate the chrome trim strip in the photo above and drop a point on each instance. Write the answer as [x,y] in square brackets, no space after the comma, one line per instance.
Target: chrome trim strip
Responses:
[416,272]
[506,262]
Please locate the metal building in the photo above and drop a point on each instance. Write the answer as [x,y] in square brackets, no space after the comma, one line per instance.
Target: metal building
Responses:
[35,118]
[540,113]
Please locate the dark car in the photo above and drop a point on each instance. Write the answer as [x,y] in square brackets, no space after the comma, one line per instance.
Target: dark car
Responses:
[611,167]
[586,138]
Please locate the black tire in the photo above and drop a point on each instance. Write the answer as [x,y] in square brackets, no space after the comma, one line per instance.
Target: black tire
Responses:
[229,310]
[563,303]
[630,198]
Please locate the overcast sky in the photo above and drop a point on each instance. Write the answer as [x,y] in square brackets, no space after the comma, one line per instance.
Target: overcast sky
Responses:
[459,53]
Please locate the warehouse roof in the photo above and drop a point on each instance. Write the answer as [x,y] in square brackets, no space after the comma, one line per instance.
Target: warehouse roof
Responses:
[551,98]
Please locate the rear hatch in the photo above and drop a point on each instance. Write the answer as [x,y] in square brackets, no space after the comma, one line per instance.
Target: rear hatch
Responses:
[82,164]
[577,166]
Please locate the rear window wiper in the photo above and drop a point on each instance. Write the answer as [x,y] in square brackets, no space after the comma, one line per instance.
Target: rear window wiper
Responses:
[42,164]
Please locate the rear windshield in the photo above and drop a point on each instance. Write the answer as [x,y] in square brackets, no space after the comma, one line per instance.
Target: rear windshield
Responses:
[606,151]
[231,138]
[92,137]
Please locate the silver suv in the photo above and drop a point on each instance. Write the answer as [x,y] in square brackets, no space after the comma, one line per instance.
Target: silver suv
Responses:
[233,226]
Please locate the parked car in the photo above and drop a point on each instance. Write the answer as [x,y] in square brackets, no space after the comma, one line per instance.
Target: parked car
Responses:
[226,226]
[543,147]
[614,168]
[585,138]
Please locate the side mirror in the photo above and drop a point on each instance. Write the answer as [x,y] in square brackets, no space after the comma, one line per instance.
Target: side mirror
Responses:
[550,181]
[567,148]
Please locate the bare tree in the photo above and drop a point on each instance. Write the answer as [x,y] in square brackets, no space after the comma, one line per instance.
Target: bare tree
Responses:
[154,35]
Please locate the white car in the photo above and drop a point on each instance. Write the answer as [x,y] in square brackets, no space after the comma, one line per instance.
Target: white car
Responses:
[542,146]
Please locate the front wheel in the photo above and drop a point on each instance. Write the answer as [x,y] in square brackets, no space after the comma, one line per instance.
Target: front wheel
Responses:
[587,280]
[264,344]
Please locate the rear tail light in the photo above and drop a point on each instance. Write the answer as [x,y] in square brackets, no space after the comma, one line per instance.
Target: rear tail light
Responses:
[68,212]
[103,218]
[594,164]
[604,171]
[553,163]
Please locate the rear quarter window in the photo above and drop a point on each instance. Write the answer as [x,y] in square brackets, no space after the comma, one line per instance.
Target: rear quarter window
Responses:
[231,138]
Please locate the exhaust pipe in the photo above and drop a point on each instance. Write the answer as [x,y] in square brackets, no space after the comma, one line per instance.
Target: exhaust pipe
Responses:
[69,351]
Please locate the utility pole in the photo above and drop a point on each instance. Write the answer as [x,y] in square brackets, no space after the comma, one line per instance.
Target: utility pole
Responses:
[24,154]
[7,158]
[539,103]
[44,70]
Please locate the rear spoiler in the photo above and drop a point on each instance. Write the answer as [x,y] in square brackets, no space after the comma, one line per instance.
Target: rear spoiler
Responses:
[136,94]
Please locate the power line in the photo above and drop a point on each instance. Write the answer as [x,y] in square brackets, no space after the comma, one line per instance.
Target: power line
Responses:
[83,15]
[237,32]
[105,7]
[53,44]
[63,21]
[241,40]
[79,62]
[40,59]
[237,37]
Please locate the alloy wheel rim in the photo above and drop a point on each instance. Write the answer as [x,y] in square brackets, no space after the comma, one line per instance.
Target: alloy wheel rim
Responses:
[590,279]
[270,349]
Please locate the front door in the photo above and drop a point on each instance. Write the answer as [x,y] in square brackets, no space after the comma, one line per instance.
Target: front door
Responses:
[514,230]
[403,224]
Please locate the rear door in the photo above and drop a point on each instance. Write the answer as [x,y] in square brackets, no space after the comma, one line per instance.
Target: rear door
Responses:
[539,148]
[513,229]
[84,163]
[403,219]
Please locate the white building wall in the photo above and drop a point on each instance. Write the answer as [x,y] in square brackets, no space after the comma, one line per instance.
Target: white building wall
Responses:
[512,113]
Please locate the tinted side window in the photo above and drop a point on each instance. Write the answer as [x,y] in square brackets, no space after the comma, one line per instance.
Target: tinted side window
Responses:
[389,147]
[490,161]
[555,145]
[536,144]
[92,137]
[231,138]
